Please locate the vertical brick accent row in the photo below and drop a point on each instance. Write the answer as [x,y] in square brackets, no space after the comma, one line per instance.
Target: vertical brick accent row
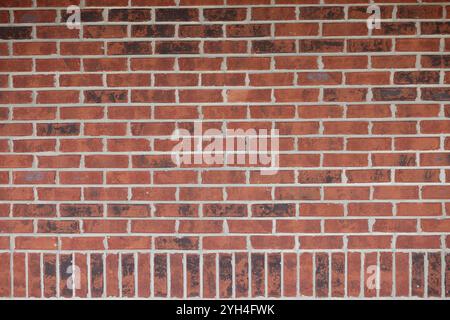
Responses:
[92,204]
[224,275]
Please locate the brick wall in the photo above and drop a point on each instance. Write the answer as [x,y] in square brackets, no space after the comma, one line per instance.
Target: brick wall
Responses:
[88,186]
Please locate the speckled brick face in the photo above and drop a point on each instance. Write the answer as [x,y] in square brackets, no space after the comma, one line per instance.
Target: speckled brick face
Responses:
[93,205]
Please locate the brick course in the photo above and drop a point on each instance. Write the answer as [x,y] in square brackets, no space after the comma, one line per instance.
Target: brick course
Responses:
[87,181]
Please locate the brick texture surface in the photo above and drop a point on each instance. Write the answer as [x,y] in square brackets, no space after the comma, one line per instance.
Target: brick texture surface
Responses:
[91,204]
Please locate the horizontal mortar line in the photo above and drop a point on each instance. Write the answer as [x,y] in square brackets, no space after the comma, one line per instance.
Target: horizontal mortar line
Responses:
[243,55]
[222,251]
[221,169]
[319,184]
[217,6]
[201,234]
[168,137]
[242,202]
[107,22]
[198,73]
[66,186]
[248,251]
[221,103]
[250,39]
[196,116]
[218,168]
[253,163]
[222,219]
[230,219]
[224,121]
[62,186]
[216,153]
[59,21]
[174,169]
[266,132]
[227,104]
[197,235]
[247,104]
[199,87]
[292,219]
[202,73]
[274,87]
[220,136]
[294,119]
[298,297]
[242,219]
[225,202]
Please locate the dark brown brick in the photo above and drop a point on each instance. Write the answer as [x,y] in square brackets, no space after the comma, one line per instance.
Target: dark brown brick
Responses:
[369,45]
[127,48]
[435,94]
[201,31]
[321,45]
[7,33]
[176,14]
[392,94]
[177,47]
[322,13]
[153,31]
[225,14]
[248,30]
[131,15]
[436,61]
[269,46]
[416,77]
[435,27]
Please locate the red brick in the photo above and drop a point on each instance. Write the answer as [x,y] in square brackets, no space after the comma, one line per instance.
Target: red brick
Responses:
[224,243]
[86,145]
